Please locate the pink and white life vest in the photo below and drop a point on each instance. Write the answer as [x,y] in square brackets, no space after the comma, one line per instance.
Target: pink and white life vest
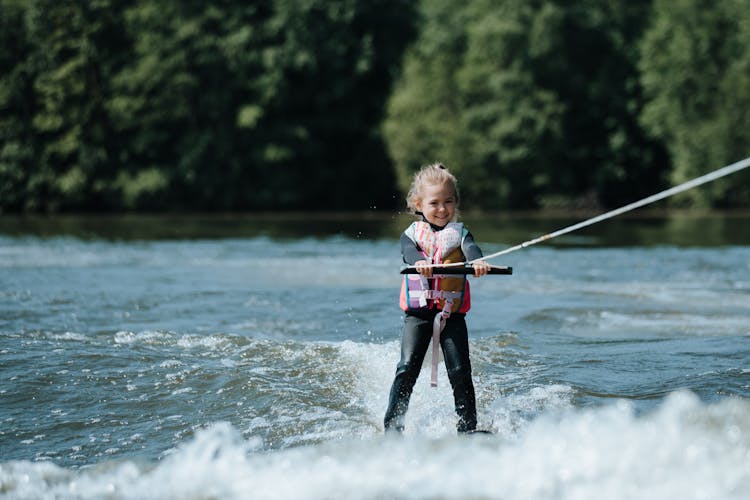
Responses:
[437,247]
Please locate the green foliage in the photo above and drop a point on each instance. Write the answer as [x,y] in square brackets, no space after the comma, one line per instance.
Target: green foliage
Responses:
[695,70]
[532,103]
[16,135]
[332,66]
[423,114]
[513,123]
[299,104]
[74,47]
[197,105]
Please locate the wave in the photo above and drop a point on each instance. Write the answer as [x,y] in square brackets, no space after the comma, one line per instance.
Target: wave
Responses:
[684,449]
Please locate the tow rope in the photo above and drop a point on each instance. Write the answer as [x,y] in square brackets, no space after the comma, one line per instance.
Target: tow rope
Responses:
[698,181]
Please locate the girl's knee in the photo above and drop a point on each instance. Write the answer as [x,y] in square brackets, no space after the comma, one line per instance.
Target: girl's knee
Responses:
[459,372]
[407,370]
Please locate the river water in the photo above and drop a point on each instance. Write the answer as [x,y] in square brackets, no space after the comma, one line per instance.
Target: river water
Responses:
[251,357]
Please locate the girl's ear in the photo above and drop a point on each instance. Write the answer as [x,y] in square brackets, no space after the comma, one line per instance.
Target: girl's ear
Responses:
[418,206]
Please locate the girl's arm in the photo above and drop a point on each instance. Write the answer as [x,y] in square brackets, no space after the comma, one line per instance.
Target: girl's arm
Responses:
[413,257]
[409,250]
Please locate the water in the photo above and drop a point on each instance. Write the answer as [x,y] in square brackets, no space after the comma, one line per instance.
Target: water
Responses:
[253,360]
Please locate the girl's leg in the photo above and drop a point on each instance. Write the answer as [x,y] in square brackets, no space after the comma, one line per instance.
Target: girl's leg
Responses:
[455,343]
[414,343]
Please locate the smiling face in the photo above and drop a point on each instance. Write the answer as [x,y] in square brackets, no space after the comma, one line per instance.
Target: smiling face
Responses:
[438,203]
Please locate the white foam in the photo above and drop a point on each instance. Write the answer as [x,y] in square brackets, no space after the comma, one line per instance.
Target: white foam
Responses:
[686,449]
[67,336]
[145,337]
[656,322]
[431,413]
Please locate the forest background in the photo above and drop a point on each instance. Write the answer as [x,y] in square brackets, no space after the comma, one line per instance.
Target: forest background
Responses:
[173,105]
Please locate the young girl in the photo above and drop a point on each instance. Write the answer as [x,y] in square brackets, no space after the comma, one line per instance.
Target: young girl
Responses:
[435,306]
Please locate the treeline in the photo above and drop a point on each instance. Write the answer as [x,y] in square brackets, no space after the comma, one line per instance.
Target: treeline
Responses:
[556,103]
[197,105]
[112,105]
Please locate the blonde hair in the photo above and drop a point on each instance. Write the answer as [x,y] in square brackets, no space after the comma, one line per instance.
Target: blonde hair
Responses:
[432,174]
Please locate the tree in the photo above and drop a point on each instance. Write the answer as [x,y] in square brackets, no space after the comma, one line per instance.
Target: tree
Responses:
[332,65]
[536,102]
[423,120]
[514,122]
[262,105]
[175,104]
[695,71]
[273,104]
[16,107]
[74,45]
[291,104]
[586,54]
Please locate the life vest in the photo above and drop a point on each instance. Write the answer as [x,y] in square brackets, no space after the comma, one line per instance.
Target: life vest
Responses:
[438,247]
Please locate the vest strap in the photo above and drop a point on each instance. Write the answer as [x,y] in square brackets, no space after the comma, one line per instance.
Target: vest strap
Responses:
[432,294]
[438,325]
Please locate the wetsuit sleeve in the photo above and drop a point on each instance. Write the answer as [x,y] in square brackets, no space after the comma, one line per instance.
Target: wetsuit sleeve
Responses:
[470,249]
[409,250]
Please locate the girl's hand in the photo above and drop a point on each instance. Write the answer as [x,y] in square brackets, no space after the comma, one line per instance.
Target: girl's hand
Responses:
[423,269]
[480,268]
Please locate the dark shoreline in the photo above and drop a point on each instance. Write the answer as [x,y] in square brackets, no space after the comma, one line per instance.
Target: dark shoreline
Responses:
[641,227]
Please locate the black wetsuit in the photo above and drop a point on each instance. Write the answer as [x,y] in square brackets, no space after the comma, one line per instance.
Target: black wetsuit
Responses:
[454,341]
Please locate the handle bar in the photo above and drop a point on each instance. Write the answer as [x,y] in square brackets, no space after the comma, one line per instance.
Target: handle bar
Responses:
[465,269]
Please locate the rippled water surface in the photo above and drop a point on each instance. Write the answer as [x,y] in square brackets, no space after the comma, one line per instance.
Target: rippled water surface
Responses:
[251,357]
